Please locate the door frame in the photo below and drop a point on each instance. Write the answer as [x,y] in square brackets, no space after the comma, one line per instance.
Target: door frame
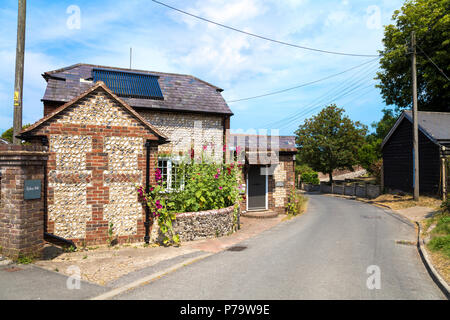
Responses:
[266,193]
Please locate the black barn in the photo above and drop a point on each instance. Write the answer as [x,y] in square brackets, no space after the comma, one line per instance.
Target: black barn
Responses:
[397,149]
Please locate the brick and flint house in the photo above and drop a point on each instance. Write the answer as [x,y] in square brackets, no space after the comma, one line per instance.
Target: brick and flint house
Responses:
[102,126]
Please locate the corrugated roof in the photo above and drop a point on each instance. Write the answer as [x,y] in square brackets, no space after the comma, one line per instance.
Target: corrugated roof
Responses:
[180,92]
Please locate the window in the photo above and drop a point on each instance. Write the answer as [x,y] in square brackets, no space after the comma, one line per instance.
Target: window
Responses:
[172,175]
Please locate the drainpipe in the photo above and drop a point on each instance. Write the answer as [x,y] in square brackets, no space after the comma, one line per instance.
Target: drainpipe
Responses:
[147,189]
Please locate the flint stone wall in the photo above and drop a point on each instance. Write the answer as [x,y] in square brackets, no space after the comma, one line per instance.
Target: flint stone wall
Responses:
[96,158]
[204,224]
[187,130]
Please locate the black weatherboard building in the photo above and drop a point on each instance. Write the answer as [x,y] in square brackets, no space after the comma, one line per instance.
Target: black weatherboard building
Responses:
[398,152]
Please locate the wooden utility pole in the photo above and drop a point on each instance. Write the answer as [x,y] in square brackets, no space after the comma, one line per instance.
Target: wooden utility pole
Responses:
[415,118]
[18,83]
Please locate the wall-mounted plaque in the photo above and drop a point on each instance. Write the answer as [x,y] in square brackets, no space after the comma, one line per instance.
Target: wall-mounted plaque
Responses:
[32,189]
[279,184]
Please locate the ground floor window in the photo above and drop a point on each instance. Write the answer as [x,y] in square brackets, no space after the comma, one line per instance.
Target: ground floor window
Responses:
[171,173]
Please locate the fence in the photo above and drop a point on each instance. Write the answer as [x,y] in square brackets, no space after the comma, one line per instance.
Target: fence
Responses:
[369,191]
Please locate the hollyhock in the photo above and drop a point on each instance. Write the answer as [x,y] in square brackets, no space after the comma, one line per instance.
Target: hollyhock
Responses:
[158,175]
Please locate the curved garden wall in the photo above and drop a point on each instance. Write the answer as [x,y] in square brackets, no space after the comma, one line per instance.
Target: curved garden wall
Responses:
[204,224]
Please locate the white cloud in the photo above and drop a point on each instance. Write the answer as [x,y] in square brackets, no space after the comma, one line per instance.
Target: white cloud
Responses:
[165,40]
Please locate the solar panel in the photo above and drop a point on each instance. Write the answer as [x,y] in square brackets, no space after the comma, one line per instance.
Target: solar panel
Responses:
[129,84]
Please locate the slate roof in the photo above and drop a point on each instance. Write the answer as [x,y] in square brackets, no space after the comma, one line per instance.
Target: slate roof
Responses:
[435,125]
[285,143]
[99,85]
[181,92]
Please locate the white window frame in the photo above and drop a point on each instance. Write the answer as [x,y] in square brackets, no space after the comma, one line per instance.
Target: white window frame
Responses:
[170,162]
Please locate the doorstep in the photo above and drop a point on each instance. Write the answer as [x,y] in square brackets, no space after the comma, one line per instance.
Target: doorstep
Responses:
[265,214]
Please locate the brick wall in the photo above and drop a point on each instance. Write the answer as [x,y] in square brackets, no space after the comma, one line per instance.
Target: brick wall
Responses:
[96,158]
[21,221]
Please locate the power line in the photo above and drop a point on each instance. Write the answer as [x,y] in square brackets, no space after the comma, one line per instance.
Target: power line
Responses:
[323,100]
[440,70]
[356,78]
[304,84]
[262,37]
[286,125]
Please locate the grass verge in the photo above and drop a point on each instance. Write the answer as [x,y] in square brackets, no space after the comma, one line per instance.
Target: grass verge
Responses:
[396,202]
[437,228]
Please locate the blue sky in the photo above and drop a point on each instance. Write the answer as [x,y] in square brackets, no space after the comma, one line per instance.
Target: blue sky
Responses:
[167,41]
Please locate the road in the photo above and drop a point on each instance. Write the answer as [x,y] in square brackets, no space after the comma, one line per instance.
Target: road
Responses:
[330,252]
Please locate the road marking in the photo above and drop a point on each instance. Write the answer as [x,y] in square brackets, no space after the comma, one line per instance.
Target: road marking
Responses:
[147,279]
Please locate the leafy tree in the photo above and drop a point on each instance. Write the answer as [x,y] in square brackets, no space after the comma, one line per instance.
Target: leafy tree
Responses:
[330,140]
[383,126]
[8,134]
[370,153]
[430,19]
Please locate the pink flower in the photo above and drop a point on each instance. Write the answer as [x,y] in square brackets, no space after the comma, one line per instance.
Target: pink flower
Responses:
[205,147]
[158,205]
[220,188]
[158,175]
[216,176]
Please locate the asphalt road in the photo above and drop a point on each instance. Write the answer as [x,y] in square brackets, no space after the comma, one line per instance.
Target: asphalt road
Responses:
[328,253]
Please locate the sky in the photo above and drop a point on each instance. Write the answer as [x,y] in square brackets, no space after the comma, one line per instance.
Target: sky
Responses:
[63,33]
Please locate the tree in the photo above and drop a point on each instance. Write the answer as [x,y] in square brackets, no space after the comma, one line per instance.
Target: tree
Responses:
[383,126]
[8,134]
[330,140]
[369,155]
[430,19]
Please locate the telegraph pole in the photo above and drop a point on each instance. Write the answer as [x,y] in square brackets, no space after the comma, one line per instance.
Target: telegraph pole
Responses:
[415,118]
[18,83]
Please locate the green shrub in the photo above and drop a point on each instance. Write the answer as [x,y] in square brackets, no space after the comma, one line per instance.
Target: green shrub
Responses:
[440,244]
[446,205]
[25,259]
[207,185]
[296,203]
[310,177]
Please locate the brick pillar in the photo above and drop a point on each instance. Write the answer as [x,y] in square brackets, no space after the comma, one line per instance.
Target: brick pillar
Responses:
[21,220]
